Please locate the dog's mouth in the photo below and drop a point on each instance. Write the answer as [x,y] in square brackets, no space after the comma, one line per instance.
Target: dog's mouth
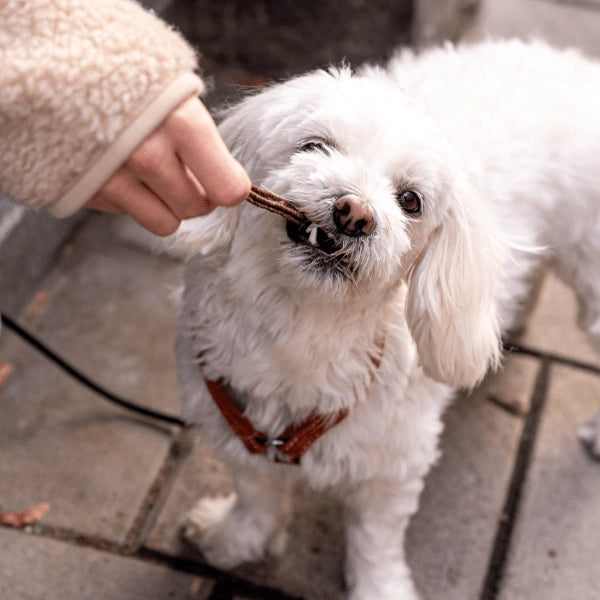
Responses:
[319,249]
[299,229]
[311,235]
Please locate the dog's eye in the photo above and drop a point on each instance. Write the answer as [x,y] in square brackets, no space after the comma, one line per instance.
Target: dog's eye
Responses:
[410,202]
[314,146]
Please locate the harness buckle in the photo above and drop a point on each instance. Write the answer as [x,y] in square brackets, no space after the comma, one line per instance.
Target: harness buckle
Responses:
[274,454]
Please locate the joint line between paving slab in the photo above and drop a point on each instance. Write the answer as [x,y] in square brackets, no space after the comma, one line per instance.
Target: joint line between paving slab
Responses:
[509,410]
[158,491]
[497,564]
[226,582]
[227,585]
[555,358]
[225,590]
[61,534]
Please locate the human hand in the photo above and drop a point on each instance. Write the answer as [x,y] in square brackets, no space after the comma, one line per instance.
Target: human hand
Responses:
[181,170]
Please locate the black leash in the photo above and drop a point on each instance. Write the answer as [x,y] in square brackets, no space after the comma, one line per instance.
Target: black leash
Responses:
[86,381]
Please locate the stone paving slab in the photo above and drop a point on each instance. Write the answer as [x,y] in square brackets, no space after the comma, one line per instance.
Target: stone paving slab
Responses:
[102,308]
[60,444]
[28,249]
[556,544]
[448,547]
[563,23]
[312,565]
[106,307]
[512,386]
[200,475]
[109,307]
[552,326]
[34,568]
[451,537]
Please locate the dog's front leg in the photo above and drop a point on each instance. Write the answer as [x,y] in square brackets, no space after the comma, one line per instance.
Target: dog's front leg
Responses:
[246,525]
[378,514]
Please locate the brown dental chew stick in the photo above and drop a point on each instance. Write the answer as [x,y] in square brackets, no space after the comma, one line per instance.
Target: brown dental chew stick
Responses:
[275,204]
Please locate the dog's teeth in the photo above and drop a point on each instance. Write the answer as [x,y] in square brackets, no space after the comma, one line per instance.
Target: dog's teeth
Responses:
[312,234]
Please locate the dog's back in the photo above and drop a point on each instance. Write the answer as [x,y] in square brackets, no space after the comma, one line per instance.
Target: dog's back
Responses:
[525,119]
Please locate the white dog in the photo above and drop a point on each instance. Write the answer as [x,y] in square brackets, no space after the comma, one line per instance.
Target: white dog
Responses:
[435,188]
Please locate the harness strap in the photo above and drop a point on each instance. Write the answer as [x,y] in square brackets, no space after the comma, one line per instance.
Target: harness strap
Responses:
[290,445]
[296,439]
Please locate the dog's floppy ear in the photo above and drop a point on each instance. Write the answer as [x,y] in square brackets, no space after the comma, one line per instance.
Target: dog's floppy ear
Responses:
[450,305]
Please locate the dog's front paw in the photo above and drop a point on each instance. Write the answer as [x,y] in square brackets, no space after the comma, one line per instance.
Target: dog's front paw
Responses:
[205,528]
[589,435]
[228,536]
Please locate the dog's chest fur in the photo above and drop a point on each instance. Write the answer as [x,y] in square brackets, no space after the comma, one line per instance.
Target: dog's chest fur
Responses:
[268,343]
[284,359]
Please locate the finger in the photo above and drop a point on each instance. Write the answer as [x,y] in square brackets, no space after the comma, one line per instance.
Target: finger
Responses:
[124,193]
[99,202]
[157,165]
[202,149]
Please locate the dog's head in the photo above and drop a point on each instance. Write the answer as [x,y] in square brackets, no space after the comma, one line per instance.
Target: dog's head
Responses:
[387,201]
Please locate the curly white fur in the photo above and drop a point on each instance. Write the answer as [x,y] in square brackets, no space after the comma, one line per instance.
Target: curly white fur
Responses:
[501,142]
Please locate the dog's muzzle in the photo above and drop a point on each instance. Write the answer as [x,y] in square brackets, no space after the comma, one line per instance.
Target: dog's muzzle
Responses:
[351,217]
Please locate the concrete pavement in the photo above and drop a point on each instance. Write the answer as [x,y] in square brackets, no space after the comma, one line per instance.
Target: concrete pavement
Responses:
[510,512]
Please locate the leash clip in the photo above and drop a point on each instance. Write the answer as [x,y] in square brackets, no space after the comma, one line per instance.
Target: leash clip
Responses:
[274,454]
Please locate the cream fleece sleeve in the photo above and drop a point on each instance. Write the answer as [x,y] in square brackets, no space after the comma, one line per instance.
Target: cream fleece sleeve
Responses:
[82,83]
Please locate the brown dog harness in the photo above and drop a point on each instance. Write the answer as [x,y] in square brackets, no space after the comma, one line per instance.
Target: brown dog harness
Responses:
[290,445]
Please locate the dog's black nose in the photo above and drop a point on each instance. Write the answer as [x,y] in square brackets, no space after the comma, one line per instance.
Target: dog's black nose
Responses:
[353,217]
